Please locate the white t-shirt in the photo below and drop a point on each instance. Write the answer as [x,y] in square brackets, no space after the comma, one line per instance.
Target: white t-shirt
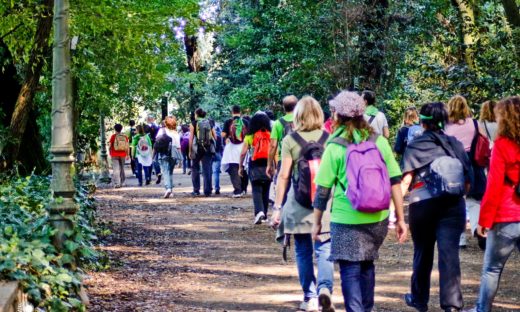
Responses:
[176,139]
[379,122]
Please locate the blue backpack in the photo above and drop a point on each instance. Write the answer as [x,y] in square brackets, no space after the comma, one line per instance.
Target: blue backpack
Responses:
[413,132]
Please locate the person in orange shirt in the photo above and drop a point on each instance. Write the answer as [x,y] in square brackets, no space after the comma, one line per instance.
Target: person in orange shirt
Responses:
[118,151]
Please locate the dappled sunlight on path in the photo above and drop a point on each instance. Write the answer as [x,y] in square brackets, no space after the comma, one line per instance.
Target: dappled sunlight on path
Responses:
[204,254]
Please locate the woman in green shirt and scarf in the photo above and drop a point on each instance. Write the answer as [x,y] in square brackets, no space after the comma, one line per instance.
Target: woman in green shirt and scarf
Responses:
[356,236]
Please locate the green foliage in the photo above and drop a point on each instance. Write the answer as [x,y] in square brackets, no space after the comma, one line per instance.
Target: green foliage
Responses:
[52,279]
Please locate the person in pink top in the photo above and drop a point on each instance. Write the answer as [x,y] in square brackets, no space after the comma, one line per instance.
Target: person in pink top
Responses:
[462,126]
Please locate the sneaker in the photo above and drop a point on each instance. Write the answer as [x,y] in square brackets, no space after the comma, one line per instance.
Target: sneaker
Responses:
[159,176]
[462,241]
[148,182]
[325,300]
[217,192]
[117,186]
[236,195]
[408,299]
[259,217]
[195,193]
[189,172]
[167,194]
[311,305]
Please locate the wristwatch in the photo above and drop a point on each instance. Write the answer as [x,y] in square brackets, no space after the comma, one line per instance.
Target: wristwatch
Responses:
[277,207]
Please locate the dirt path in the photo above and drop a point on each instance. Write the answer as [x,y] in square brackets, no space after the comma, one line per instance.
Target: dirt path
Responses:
[204,254]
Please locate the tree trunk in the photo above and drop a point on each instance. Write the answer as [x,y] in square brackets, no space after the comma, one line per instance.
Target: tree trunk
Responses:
[194,66]
[513,18]
[25,99]
[372,53]
[469,30]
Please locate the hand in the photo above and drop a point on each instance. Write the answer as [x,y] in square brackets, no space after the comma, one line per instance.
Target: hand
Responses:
[316,231]
[401,231]
[241,171]
[268,171]
[275,219]
[482,231]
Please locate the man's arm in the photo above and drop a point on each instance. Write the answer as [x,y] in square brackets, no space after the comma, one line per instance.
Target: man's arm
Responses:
[273,148]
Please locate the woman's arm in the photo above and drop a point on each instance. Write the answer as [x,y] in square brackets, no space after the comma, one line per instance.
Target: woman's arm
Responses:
[401,229]
[405,183]
[192,131]
[281,187]
[243,154]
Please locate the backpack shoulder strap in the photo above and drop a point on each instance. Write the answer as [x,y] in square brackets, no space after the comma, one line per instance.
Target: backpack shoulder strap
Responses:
[487,130]
[299,139]
[283,121]
[371,119]
[324,137]
[340,141]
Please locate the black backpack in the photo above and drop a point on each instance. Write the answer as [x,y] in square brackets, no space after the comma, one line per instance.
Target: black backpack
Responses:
[204,136]
[307,164]
[163,144]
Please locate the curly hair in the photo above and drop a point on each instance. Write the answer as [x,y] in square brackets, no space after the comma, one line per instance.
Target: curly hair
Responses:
[508,111]
[487,112]
[354,123]
[411,116]
[170,122]
[259,121]
[458,108]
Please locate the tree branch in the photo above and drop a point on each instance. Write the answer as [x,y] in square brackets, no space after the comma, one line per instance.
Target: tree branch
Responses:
[11,31]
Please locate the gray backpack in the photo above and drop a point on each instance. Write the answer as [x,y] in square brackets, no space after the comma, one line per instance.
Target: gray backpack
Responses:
[446,174]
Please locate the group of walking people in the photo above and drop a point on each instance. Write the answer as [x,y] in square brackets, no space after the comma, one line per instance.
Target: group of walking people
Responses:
[336,187]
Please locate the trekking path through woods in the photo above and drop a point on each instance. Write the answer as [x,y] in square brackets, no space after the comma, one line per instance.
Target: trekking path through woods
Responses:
[204,254]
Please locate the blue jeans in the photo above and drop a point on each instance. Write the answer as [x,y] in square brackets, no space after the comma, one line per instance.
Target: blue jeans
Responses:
[358,280]
[139,172]
[217,159]
[167,166]
[156,165]
[303,247]
[501,241]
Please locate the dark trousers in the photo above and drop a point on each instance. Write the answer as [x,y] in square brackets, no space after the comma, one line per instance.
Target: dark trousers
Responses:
[440,220]
[261,195]
[236,180]
[358,280]
[207,160]
[133,165]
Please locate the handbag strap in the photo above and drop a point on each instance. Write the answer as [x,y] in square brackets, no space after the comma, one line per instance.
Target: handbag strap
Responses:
[487,130]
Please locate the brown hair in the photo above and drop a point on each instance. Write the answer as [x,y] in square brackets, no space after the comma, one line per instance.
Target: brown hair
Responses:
[487,111]
[353,123]
[170,122]
[508,110]
[411,116]
[458,108]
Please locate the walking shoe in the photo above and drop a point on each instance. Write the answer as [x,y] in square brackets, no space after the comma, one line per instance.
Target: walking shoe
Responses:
[195,193]
[311,305]
[325,300]
[471,310]
[236,195]
[408,299]
[259,217]
[167,194]
[189,172]
[117,186]
[148,182]
[217,192]
[451,310]
[159,176]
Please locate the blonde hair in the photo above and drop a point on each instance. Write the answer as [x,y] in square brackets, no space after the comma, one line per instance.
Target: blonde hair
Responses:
[458,108]
[411,116]
[308,115]
[170,122]
[487,111]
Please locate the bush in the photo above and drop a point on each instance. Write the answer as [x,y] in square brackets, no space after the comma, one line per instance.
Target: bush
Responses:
[51,279]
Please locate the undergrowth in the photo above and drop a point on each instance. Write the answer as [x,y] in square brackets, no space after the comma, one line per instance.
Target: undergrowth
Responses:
[51,278]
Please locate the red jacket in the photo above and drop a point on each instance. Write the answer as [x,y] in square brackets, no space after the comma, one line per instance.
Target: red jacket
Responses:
[112,151]
[500,204]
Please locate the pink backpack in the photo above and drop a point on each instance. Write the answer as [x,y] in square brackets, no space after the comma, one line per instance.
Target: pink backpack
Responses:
[369,188]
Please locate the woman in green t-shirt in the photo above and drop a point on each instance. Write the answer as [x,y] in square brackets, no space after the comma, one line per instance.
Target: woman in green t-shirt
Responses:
[355,235]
